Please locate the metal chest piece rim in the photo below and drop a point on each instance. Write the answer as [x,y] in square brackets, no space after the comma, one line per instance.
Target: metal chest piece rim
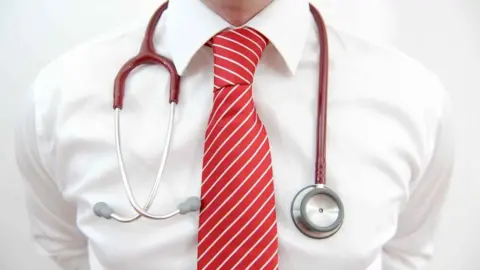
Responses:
[317,211]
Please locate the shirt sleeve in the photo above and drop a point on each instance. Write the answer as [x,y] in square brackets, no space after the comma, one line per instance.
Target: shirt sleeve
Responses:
[412,246]
[53,219]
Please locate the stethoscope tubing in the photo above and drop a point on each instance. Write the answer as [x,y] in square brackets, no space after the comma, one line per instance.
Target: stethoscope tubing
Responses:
[148,55]
[321,156]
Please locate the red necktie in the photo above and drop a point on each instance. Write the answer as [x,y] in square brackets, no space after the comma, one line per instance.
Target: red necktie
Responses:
[238,227]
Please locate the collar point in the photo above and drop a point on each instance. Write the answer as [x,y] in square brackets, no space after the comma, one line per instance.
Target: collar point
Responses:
[292,67]
[180,70]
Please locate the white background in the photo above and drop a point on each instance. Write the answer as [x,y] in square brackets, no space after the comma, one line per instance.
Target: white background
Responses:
[443,34]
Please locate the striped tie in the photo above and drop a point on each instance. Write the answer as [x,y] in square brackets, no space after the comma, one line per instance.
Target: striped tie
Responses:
[238,227]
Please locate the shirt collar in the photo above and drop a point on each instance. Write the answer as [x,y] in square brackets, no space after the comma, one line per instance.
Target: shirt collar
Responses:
[190,24]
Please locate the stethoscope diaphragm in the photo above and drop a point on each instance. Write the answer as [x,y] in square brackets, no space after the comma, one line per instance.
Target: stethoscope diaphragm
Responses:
[317,211]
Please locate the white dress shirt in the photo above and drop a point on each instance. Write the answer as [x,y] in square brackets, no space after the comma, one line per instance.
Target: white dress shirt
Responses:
[389,145]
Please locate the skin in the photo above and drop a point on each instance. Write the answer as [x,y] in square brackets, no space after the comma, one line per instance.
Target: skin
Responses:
[237,12]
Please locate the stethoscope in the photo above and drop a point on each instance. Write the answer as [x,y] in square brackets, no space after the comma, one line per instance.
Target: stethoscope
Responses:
[316,210]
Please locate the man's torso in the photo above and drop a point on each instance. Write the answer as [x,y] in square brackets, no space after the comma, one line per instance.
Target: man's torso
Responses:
[379,106]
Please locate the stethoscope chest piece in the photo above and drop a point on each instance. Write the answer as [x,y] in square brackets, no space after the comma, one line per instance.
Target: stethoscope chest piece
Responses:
[317,211]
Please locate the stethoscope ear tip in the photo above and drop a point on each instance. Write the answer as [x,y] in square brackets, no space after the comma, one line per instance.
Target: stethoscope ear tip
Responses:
[102,209]
[192,204]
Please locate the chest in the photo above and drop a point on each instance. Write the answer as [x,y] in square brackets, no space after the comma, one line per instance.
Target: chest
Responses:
[371,157]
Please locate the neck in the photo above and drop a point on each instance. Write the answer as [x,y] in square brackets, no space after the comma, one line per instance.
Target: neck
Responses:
[237,12]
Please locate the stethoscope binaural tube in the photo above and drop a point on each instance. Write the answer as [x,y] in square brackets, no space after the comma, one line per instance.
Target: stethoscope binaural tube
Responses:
[102,209]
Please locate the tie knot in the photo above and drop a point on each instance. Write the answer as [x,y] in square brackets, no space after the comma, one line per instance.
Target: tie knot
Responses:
[236,55]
